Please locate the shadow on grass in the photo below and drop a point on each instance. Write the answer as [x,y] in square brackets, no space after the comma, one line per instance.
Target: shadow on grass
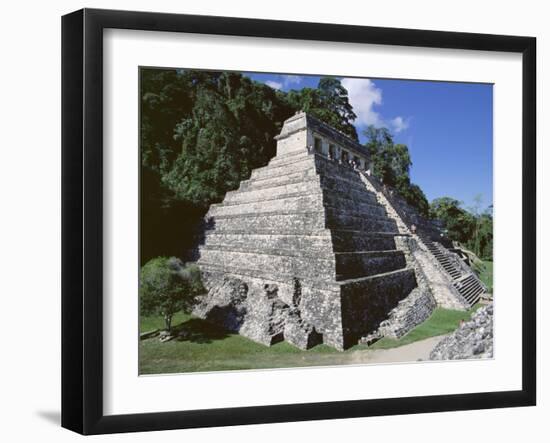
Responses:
[197,330]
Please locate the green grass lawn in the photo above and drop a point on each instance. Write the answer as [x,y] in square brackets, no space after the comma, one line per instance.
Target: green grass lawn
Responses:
[486,274]
[207,347]
[150,323]
[211,348]
[442,321]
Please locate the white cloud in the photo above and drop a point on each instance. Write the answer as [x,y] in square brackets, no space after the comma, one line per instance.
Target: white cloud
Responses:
[274,85]
[287,81]
[363,96]
[291,80]
[399,124]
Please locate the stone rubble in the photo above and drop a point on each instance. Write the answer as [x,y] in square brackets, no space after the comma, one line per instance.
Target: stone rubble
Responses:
[473,339]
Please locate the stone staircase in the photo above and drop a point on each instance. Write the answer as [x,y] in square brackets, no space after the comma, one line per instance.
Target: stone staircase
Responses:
[443,257]
[383,200]
[470,288]
[467,287]
[463,279]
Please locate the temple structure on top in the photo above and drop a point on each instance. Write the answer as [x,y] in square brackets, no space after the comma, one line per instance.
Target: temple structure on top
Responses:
[304,131]
[312,249]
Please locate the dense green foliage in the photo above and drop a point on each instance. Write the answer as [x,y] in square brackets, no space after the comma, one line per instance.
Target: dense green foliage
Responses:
[474,229]
[167,287]
[201,134]
[484,270]
[392,163]
[329,102]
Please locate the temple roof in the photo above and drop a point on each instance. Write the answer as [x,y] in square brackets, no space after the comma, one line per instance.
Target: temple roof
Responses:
[302,120]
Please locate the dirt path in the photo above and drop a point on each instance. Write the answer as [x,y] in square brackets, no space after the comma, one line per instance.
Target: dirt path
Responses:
[419,350]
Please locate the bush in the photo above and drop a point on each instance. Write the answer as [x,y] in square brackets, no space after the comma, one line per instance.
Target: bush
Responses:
[168,286]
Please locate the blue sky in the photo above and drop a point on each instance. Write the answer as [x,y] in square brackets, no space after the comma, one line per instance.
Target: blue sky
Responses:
[448,128]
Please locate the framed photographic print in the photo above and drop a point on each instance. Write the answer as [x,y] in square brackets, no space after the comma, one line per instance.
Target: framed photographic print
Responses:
[269,221]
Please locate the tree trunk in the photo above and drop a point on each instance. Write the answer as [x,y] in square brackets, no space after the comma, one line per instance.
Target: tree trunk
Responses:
[168,322]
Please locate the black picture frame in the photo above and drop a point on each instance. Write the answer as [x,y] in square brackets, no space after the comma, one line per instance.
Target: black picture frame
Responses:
[82,218]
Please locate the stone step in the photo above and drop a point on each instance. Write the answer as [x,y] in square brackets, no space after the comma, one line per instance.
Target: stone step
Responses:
[321,267]
[273,221]
[360,195]
[358,206]
[341,184]
[255,193]
[344,241]
[278,277]
[331,172]
[333,168]
[386,236]
[290,156]
[315,250]
[471,293]
[407,274]
[467,281]
[277,222]
[471,285]
[313,242]
[269,193]
[404,277]
[358,212]
[300,207]
[336,219]
[451,270]
[366,302]
[355,190]
[442,256]
[283,168]
[291,203]
[339,240]
[348,264]
[366,263]
[473,298]
[470,288]
[281,179]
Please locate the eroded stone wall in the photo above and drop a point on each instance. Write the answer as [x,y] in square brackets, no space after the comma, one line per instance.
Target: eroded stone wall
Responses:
[472,339]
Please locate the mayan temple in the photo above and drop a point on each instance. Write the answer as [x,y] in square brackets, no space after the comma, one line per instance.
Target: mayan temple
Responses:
[312,249]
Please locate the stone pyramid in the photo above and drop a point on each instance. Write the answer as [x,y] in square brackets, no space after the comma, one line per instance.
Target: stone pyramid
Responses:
[303,251]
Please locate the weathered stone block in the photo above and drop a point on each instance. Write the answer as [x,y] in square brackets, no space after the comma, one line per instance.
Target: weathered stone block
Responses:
[367,302]
[274,222]
[363,264]
[274,191]
[361,241]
